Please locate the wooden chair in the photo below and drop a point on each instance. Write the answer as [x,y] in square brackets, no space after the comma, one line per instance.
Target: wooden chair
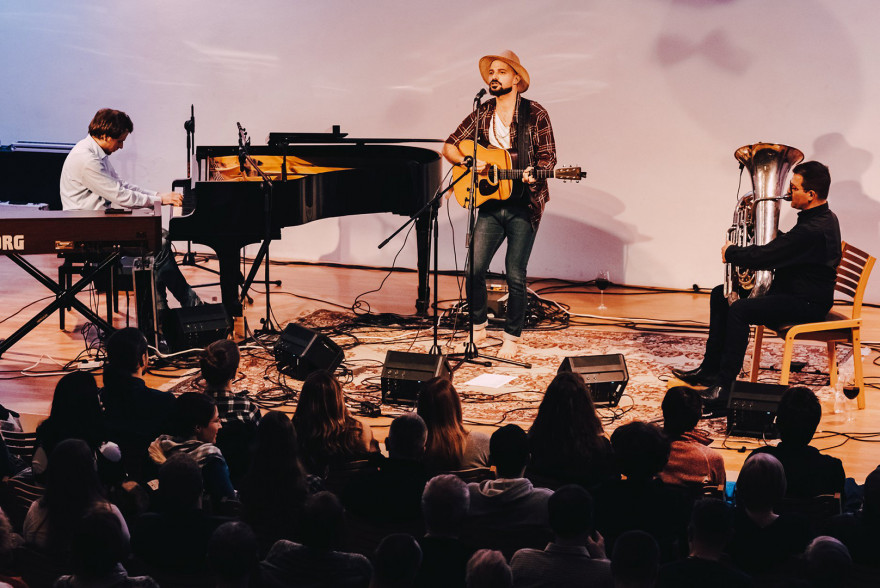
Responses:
[852,279]
[22,445]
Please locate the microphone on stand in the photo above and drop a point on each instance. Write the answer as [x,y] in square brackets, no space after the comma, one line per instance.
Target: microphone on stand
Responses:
[480,95]
[241,144]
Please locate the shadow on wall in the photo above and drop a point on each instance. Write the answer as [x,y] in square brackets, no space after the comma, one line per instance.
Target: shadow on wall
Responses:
[859,213]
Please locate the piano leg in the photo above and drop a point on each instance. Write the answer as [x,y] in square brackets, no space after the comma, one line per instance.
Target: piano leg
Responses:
[423,249]
[229,256]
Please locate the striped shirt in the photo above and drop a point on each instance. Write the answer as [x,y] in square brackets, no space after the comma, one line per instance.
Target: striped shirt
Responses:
[543,154]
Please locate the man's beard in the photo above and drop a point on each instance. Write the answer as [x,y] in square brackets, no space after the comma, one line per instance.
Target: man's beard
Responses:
[500,91]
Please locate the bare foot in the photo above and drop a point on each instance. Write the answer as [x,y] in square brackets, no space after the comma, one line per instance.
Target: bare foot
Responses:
[508,349]
[479,335]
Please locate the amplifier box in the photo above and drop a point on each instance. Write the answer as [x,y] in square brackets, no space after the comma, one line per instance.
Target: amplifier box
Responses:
[751,409]
[301,351]
[195,327]
[605,375]
[404,373]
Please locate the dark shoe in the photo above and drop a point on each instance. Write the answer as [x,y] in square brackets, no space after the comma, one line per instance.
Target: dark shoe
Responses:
[698,376]
[713,394]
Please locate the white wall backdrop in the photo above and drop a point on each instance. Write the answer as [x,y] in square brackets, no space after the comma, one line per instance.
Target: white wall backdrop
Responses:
[652,97]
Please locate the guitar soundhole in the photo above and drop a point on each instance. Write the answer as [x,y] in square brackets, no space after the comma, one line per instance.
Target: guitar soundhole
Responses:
[486,188]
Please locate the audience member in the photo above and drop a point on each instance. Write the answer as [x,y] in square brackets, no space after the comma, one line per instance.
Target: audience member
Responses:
[642,501]
[508,512]
[134,413]
[9,540]
[396,562]
[764,542]
[450,446]
[193,430]
[445,503]
[274,489]
[808,472]
[709,532]
[691,462]
[219,364]
[576,556]
[98,549]
[567,441]
[76,413]
[315,562]
[174,538]
[327,432]
[635,560]
[829,564]
[393,493]
[860,532]
[488,569]
[233,555]
[72,490]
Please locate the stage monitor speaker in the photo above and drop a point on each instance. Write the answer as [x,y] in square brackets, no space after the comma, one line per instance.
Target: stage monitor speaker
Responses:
[751,409]
[301,351]
[195,327]
[606,376]
[404,374]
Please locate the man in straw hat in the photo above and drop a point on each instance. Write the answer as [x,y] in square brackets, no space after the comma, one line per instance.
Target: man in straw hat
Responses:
[511,122]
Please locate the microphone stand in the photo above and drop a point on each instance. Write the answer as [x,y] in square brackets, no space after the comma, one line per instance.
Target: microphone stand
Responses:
[434,205]
[471,354]
[268,187]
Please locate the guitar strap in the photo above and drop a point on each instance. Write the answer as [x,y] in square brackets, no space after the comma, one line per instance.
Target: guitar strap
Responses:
[523,145]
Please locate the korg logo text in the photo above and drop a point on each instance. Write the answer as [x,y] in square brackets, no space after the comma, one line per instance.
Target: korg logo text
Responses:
[11,242]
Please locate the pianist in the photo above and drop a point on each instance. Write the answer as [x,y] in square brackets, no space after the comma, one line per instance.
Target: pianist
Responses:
[89,182]
[503,123]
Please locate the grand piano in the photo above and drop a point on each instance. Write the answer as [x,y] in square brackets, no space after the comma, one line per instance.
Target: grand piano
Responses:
[314,176]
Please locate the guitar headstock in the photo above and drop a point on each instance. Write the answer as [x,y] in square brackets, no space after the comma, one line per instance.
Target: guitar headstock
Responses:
[569,173]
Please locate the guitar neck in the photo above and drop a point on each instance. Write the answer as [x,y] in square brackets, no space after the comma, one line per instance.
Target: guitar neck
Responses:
[517,174]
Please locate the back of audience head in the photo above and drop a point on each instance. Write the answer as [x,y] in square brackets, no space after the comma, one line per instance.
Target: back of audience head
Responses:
[871,502]
[635,560]
[193,416]
[798,416]
[829,563]
[219,363]
[321,419]
[322,525]
[641,450]
[72,487]
[761,483]
[711,527]
[487,568]
[445,503]
[509,451]
[126,350]
[682,408]
[440,407]
[180,483]
[570,511]
[98,544]
[407,437]
[76,410]
[567,421]
[396,561]
[275,442]
[233,553]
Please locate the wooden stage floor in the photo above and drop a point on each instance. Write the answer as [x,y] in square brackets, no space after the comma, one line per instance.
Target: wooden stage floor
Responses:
[308,287]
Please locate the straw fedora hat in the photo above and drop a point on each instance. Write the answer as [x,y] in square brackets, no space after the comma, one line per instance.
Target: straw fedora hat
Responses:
[511,59]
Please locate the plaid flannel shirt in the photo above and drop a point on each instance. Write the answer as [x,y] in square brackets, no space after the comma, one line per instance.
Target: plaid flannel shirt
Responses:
[235,407]
[543,154]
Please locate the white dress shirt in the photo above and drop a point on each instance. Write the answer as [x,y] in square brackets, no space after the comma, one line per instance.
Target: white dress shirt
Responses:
[89,182]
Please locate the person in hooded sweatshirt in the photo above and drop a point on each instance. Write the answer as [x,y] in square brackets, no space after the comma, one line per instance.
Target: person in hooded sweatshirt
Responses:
[508,513]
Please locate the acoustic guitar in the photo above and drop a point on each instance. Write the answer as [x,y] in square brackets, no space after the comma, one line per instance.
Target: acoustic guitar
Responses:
[496,181]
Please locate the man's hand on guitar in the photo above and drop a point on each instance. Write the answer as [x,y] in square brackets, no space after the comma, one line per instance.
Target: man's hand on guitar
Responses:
[528,176]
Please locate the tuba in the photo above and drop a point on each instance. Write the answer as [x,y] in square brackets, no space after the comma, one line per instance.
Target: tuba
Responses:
[756,217]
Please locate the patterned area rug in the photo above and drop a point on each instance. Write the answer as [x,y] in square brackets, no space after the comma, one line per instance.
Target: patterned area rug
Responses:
[648,356]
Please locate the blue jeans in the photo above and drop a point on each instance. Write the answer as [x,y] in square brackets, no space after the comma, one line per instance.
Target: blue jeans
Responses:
[492,227]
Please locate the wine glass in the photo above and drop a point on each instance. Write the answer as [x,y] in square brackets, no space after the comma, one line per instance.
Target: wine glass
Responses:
[603,280]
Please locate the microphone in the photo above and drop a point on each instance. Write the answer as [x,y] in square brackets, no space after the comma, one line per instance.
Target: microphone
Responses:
[480,94]
[241,140]
[468,161]
[190,125]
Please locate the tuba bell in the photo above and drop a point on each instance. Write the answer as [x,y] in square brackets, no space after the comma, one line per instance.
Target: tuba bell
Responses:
[756,216]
